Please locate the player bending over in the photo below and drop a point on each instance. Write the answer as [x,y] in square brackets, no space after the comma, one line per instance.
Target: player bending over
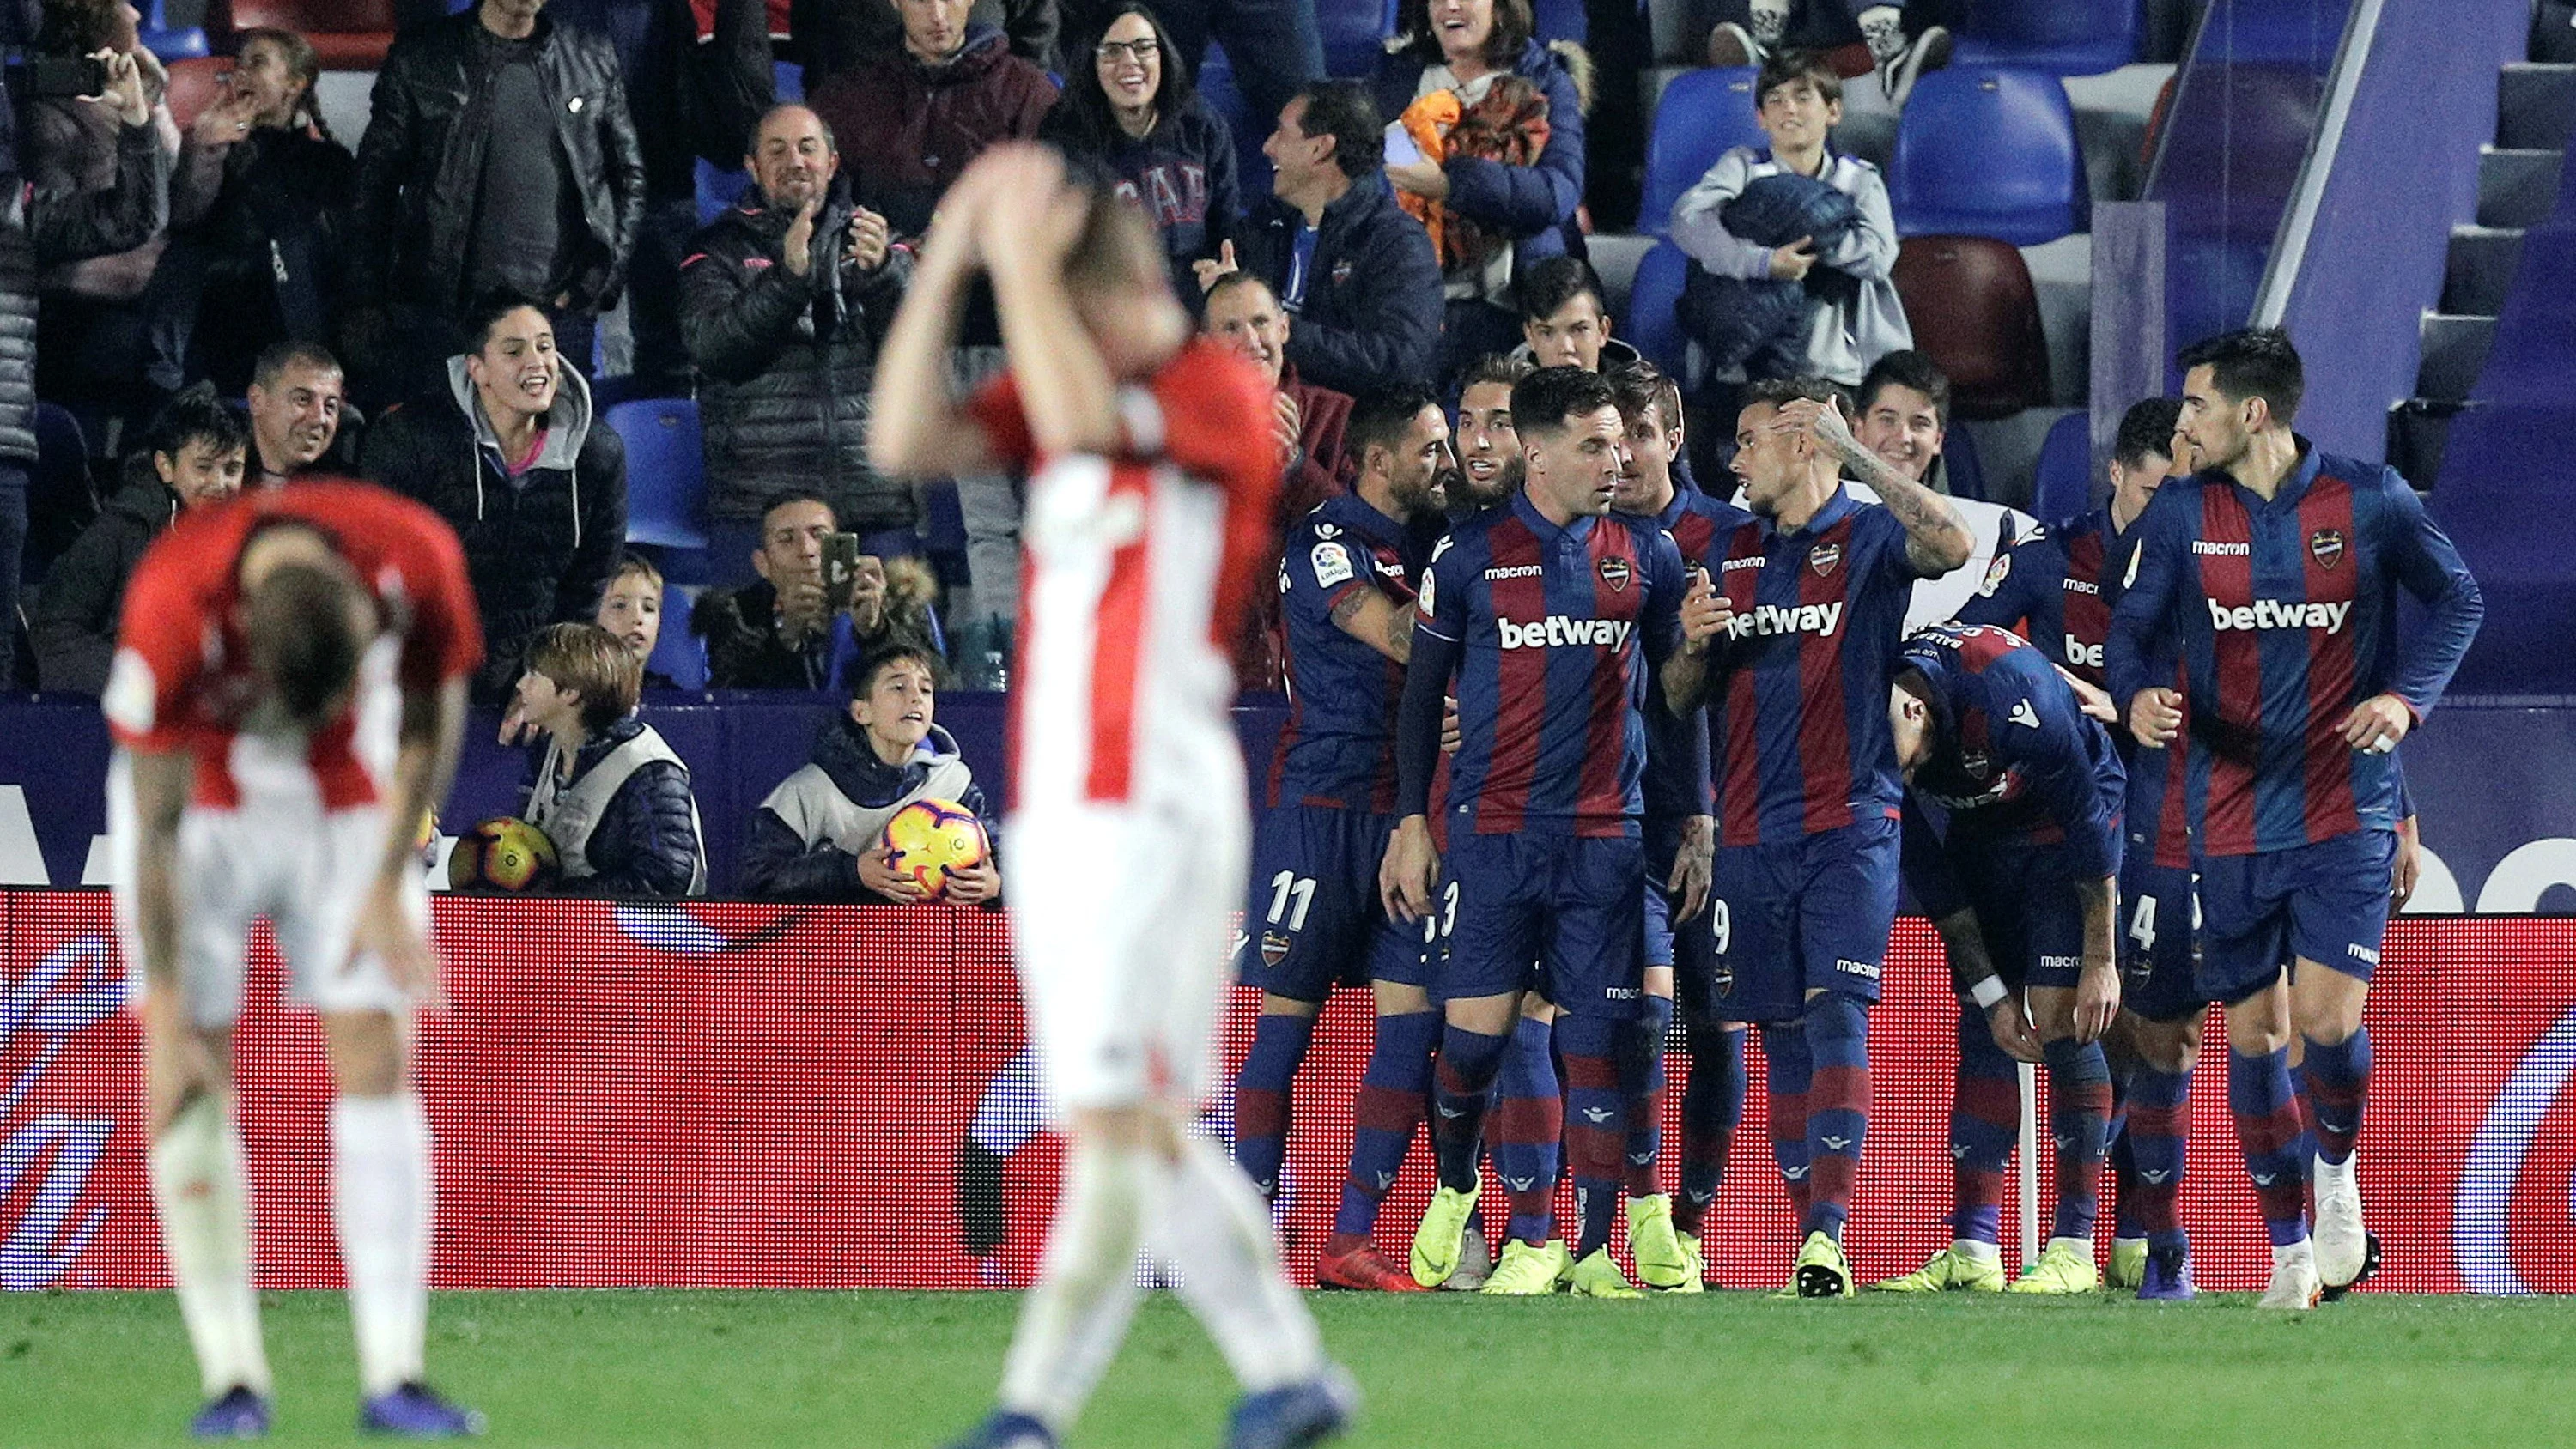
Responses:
[1552,614]
[1151,466]
[2272,574]
[2021,885]
[287,698]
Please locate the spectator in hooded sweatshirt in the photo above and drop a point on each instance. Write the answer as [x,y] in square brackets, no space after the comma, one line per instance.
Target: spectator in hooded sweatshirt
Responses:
[910,121]
[194,457]
[510,454]
[1129,106]
[820,836]
[1501,187]
[606,789]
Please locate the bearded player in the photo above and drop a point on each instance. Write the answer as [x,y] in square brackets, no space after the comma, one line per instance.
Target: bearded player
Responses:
[287,699]
[1151,466]
[2272,574]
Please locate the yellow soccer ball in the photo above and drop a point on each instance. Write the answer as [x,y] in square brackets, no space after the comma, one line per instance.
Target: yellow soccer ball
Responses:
[929,840]
[505,854]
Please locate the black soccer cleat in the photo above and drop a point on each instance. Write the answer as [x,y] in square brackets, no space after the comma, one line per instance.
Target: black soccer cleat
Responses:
[980,1221]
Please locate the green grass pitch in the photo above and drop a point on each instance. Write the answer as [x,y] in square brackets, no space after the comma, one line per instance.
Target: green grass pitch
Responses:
[892,1370]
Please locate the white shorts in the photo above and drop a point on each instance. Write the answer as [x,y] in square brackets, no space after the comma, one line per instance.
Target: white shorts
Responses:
[1121,916]
[308,871]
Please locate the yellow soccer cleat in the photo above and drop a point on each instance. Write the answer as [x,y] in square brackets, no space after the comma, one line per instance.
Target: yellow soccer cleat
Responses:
[2064,1266]
[1661,1263]
[1527,1271]
[1598,1277]
[1822,1271]
[1437,1237]
[2128,1265]
[1697,1281]
[1951,1270]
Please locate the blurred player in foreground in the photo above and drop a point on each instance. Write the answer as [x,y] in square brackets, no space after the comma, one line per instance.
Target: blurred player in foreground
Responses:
[287,699]
[1152,465]
[2272,573]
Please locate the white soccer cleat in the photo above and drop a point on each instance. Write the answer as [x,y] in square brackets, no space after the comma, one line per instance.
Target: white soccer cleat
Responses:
[2343,1244]
[2295,1285]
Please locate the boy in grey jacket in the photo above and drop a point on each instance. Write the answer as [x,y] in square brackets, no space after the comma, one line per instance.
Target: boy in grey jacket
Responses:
[1860,319]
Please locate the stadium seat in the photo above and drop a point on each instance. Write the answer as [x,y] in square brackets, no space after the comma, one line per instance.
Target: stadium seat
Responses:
[1703,115]
[943,531]
[1217,87]
[666,472]
[1354,32]
[195,84]
[166,44]
[2064,37]
[1961,466]
[2065,485]
[676,652]
[720,186]
[1988,151]
[1650,325]
[1973,309]
[1562,20]
[346,34]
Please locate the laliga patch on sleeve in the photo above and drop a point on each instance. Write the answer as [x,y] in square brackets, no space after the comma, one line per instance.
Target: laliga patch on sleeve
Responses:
[1429,609]
[1332,565]
[128,699]
[1996,573]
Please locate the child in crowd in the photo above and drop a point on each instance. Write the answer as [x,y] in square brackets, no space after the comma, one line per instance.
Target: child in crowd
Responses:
[607,790]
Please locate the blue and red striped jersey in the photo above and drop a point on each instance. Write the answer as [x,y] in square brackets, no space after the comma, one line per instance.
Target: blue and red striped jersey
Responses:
[2014,757]
[2057,588]
[1338,748]
[1676,782]
[1798,703]
[1555,635]
[2284,616]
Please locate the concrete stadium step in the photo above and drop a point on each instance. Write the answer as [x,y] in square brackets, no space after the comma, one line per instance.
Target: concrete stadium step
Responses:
[2455,351]
[2480,269]
[2517,185]
[2536,106]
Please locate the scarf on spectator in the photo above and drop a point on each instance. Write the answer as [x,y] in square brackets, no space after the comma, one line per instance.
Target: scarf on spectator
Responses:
[1508,126]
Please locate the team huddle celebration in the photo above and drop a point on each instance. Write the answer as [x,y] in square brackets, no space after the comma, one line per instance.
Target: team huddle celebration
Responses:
[1644,643]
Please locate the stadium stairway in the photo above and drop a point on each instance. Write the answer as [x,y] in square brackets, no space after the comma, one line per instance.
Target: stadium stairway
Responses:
[2518,182]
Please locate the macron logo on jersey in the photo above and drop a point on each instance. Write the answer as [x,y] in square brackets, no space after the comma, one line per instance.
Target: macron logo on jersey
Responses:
[1765,620]
[1556,631]
[2275,614]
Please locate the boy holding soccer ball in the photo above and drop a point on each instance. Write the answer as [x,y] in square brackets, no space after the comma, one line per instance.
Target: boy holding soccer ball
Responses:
[820,836]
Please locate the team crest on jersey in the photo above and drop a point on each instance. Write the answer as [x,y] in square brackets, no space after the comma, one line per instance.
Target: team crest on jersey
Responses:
[1825,559]
[1974,763]
[1996,573]
[1341,271]
[1274,948]
[2326,544]
[1615,572]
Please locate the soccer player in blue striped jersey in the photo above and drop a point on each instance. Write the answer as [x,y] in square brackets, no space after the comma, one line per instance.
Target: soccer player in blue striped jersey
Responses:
[2019,875]
[1813,593]
[2272,573]
[1314,921]
[1554,616]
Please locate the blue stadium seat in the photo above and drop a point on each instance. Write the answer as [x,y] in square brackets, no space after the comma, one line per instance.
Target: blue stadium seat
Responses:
[666,472]
[2064,37]
[167,44]
[720,186]
[1564,20]
[1988,151]
[1354,33]
[943,532]
[1703,115]
[676,652]
[2065,486]
[1650,325]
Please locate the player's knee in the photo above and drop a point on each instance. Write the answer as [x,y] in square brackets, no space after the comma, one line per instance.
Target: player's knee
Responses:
[1833,1016]
[1397,998]
[2327,1011]
[366,1050]
[2052,1013]
[1138,1128]
[1274,1005]
[1484,1015]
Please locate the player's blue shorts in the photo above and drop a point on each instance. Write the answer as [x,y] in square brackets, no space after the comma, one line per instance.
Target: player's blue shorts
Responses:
[1802,915]
[2159,928]
[2027,909]
[1559,914]
[2326,903]
[1689,948]
[1313,920]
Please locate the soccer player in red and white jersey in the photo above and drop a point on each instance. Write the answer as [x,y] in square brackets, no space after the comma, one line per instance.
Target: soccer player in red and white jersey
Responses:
[1151,466]
[287,698]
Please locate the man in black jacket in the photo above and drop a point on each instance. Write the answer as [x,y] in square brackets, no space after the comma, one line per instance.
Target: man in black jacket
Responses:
[1365,287]
[784,300]
[511,456]
[195,458]
[499,157]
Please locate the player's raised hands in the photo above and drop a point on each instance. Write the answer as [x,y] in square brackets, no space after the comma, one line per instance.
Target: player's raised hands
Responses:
[2377,724]
[2155,717]
[877,873]
[1823,422]
[1705,613]
[1408,878]
[1033,215]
